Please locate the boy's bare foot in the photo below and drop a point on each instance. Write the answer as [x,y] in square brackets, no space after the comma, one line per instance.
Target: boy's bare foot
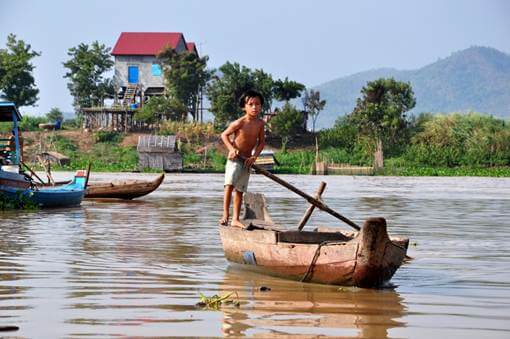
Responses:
[223,221]
[237,223]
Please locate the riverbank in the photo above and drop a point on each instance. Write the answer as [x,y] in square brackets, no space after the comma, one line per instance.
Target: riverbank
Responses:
[116,152]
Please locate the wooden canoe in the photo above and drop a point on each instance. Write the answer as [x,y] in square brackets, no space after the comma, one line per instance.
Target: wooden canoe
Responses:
[367,258]
[122,189]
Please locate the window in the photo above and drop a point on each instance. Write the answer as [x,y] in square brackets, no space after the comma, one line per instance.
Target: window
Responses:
[156,70]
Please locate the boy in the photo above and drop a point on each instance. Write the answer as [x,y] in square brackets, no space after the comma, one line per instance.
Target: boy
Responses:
[248,132]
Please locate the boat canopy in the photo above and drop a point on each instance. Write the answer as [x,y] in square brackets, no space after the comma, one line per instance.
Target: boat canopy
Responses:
[9,112]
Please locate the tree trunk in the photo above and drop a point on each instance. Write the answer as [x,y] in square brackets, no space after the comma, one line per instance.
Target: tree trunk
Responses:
[378,155]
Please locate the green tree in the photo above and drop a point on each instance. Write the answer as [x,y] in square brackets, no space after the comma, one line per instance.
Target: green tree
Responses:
[287,123]
[313,105]
[161,106]
[285,90]
[225,90]
[380,113]
[55,114]
[186,75]
[87,67]
[17,83]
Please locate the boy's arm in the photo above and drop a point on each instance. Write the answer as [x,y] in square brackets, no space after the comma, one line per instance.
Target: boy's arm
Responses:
[225,137]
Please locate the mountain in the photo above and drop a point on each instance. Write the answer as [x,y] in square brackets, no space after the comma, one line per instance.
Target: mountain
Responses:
[474,79]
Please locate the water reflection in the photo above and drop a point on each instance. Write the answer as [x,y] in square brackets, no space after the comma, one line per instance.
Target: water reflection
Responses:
[291,308]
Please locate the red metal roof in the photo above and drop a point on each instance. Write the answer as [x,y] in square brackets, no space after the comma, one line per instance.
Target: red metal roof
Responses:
[150,43]
[191,47]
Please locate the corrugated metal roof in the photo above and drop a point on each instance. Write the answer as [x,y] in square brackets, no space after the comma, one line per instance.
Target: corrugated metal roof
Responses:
[145,43]
[156,143]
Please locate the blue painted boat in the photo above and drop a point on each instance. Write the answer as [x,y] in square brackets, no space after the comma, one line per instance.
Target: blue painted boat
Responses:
[58,196]
[14,184]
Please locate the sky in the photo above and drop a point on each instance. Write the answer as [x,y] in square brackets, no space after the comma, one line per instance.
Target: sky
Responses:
[311,42]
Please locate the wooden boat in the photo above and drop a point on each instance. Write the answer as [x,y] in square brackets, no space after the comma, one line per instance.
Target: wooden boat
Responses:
[367,258]
[58,196]
[122,189]
[16,185]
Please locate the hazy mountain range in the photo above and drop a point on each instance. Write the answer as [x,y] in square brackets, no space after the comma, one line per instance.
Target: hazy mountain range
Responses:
[474,79]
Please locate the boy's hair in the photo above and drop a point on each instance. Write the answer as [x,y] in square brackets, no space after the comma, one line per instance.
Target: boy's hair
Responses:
[248,95]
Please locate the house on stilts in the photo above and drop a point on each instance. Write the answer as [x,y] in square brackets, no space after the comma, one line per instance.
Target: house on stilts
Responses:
[137,77]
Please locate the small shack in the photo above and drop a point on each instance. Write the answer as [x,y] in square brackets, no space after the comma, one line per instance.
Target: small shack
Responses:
[56,158]
[159,152]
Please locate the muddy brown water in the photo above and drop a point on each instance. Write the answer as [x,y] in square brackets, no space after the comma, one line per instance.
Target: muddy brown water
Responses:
[137,268]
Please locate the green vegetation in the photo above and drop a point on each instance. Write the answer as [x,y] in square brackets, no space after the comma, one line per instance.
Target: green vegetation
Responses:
[441,145]
[17,84]
[186,75]
[21,202]
[55,114]
[287,124]
[106,155]
[460,140]
[111,137]
[313,104]
[162,106]
[86,69]
[225,91]
[28,123]
[380,116]
[216,301]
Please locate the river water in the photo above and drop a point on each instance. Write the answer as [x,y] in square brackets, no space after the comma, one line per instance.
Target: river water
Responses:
[137,268]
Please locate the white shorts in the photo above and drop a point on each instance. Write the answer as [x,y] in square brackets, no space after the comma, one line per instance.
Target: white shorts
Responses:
[237,175]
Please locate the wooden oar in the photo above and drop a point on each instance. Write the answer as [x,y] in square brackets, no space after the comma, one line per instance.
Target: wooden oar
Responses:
[33,173]
[317,203]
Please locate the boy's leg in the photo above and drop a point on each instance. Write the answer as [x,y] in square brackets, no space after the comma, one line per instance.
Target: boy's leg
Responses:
[226,204]
[238,198]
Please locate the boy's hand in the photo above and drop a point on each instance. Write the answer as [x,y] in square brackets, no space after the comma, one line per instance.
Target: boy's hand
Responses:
[232,154]
[250,161]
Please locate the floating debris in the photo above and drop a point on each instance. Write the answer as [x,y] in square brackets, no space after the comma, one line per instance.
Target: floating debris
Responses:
[216,301]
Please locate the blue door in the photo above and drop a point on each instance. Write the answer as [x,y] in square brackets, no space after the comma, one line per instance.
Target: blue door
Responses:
[133,74]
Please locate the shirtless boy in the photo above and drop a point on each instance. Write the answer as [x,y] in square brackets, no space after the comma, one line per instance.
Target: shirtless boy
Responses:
[248,134]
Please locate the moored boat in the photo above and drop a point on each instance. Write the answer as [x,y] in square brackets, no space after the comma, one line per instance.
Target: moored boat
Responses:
[16,185]
[123,189]
[367,258]
[57,196]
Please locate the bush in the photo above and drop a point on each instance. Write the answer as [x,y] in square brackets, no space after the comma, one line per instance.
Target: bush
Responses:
[29,123]
[111,137]
[190,132]
[298,162]
[71,123]
[64,145]
[343,136]
[459,140]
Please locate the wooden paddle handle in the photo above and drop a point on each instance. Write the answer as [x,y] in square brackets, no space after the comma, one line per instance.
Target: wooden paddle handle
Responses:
[319,204]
